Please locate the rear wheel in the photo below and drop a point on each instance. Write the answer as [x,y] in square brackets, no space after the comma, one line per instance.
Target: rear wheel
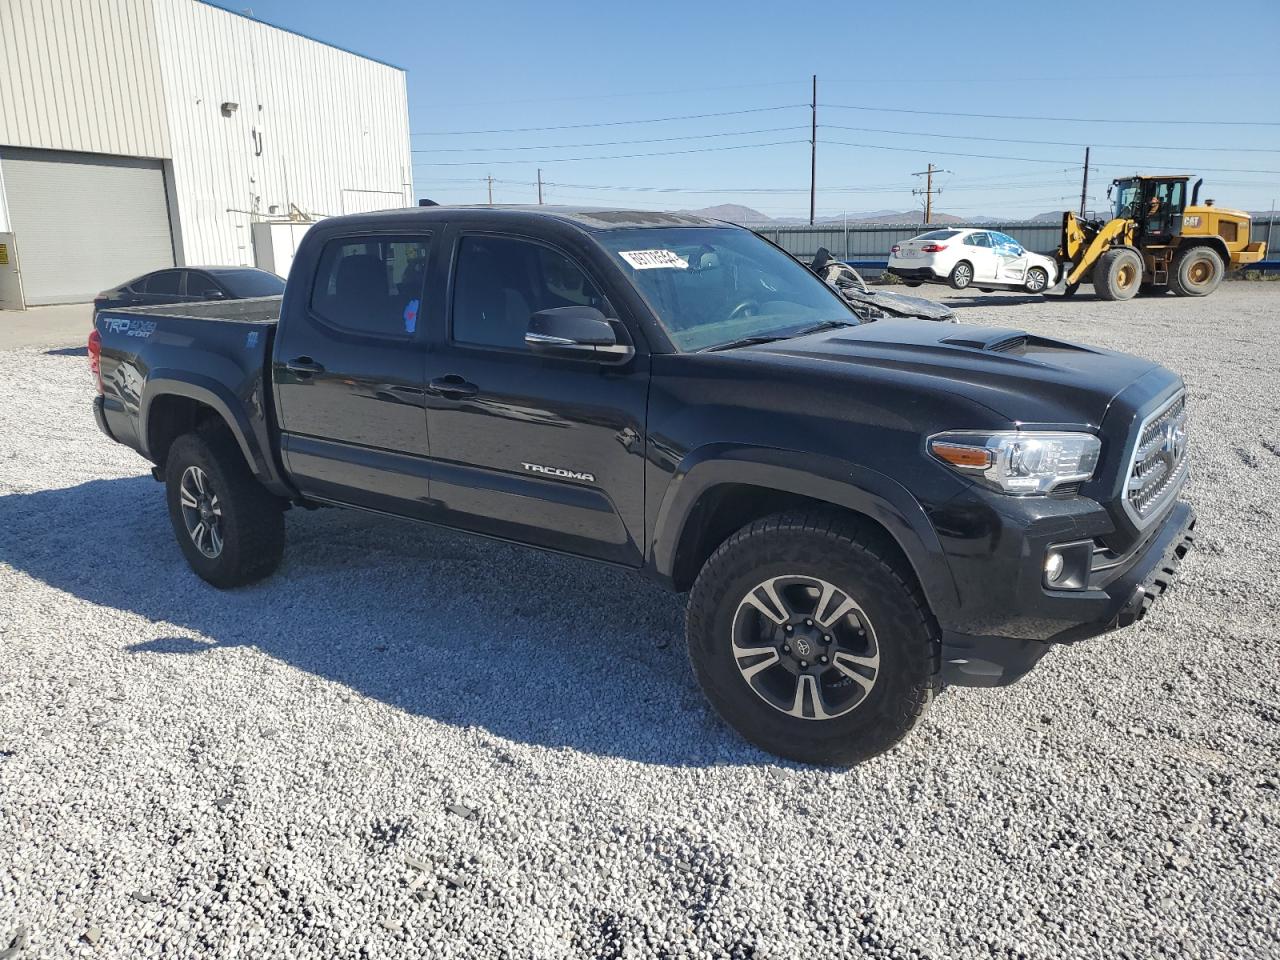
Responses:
[1196,272]
[961,275]
[914,283]
[1118,274]
[809,641]
[230,529]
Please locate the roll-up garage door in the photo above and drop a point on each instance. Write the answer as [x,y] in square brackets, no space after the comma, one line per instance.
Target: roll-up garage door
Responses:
[84,222]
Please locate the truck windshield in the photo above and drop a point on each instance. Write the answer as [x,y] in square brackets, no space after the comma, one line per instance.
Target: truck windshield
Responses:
[710,286]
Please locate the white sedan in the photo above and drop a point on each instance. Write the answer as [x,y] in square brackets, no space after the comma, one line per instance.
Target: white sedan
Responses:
[972,257]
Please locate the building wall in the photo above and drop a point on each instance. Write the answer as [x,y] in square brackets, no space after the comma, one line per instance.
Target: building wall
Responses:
[315,127]
[81,75]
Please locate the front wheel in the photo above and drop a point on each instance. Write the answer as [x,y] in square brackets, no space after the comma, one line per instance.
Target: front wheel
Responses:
[230,529]
[961,275]
[1118,274]
[1036,280]
[810,641]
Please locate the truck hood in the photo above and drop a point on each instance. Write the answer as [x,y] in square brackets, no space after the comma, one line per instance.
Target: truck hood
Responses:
[1022,377]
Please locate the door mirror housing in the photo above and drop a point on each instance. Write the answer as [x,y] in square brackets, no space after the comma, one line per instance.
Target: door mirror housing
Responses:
[580,333]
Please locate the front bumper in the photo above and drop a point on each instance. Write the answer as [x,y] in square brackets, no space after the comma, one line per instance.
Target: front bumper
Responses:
[1119,598]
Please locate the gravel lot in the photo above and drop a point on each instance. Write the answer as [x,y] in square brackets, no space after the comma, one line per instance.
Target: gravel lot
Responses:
[409,743]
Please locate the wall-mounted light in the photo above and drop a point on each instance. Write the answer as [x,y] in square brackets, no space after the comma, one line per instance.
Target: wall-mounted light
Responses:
[229,107]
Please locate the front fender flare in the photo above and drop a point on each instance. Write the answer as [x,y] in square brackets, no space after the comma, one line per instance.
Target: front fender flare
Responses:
[822,478]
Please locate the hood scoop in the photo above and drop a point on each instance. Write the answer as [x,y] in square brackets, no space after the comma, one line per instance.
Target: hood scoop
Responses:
[993,341]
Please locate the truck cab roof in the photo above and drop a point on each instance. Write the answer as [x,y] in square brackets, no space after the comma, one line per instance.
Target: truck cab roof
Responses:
[588,218]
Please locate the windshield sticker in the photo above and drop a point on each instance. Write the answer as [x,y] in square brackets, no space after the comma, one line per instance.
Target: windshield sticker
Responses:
[411,317]
[251,339]
[654,259]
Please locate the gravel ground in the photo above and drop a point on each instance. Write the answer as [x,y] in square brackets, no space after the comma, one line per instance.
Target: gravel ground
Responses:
[407,743]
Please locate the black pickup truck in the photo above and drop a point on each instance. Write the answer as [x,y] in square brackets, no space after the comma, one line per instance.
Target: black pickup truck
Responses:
[860,512]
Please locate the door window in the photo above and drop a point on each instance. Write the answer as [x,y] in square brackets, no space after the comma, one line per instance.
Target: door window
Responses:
[372,285]
[201,286]
[979,240]
[164,283]
[1006,245]
[499,282]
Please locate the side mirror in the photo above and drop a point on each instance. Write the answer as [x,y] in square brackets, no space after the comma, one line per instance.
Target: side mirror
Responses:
[581,333]
[212,294]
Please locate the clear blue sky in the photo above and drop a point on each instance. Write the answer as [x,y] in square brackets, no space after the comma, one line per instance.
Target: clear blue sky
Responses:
[502,65]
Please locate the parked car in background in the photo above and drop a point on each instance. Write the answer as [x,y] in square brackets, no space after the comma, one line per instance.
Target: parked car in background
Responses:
[191,285]
[966,257]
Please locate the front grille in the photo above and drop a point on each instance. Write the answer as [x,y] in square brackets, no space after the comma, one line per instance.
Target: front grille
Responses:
[1159,461]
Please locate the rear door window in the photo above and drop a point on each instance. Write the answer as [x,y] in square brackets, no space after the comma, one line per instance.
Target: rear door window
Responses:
[372,285]
[978,240]
[165,283]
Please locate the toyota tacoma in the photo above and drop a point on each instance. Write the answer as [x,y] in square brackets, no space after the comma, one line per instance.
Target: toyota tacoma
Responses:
[860,513]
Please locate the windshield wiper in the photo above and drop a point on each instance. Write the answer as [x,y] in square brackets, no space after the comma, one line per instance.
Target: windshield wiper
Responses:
[772,337]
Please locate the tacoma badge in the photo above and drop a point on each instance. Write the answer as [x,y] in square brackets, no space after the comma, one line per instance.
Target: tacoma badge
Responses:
[558,472]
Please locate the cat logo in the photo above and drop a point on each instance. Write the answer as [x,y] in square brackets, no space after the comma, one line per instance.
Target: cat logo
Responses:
[558,472]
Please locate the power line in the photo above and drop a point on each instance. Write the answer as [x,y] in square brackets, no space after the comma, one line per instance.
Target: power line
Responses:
[616,96]
[608,143]
[609,123]
[990,156]
[1050,143]
[1011,116]
[622,156]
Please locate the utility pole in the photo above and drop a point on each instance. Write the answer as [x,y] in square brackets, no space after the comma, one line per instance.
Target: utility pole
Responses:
[1270,221]
[1084,183]
[490,179]
[539,186]
[813,150]
[928,190]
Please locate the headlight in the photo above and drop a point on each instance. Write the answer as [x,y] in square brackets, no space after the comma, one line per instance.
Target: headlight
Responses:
[1019,462]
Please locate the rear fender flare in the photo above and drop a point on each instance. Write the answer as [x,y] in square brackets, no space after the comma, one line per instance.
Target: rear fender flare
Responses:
[821,478]
[216,396]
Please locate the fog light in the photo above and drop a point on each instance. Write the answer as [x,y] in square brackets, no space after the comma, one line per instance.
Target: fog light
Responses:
[1053,567]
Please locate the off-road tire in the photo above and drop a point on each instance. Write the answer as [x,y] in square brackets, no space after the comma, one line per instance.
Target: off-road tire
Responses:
[961,276]
[252,519]
[1196,272]
[826,545]
[1118,274]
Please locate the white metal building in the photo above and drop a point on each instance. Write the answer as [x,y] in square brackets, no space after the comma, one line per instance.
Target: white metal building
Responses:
[137,134]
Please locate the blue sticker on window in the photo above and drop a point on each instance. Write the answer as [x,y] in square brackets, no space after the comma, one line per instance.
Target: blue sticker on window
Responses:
[251,340]
[411,317]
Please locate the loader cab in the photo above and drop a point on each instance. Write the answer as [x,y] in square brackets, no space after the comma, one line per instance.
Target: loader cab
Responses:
[1155,204]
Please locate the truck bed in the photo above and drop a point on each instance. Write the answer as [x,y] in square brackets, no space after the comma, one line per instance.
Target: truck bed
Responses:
[256,310]
[215,353]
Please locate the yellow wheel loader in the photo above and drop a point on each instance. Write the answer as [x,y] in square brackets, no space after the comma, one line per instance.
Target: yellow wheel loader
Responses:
[1155,240]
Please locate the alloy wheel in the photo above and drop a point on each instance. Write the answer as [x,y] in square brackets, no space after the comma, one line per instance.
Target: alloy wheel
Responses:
[805,647]
[201,511]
